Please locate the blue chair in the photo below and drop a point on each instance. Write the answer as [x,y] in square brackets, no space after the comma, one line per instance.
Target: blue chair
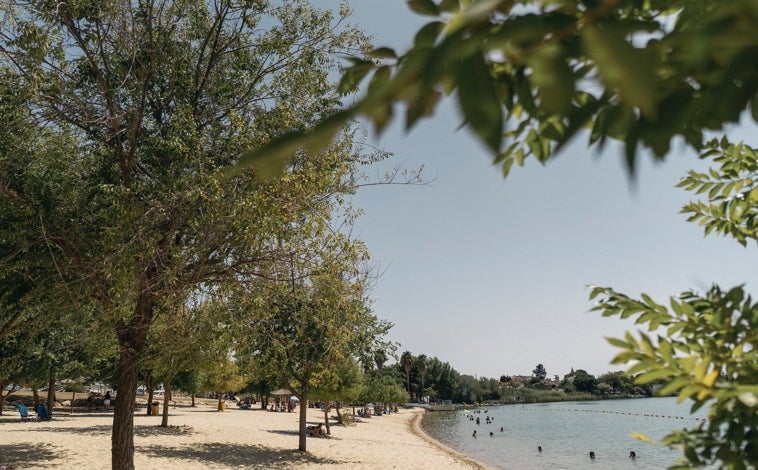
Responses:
[42,414]
[23,411]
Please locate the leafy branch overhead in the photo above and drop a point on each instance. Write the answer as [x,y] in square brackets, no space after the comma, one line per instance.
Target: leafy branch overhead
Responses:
[528,76]
[704,347]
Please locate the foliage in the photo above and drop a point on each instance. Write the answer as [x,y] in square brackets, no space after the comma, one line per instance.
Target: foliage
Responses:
[117,189]
[529,76]
[345,382]
[306,314]
[383,388]
[584,382]
[439,377]
[704,346]
[540,372]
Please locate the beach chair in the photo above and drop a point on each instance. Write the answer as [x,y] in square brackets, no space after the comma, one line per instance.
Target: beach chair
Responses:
[23,411]
[42,414]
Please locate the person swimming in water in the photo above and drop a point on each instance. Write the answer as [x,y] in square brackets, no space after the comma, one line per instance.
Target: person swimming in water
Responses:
[592,455]
[632,455]
[474,435]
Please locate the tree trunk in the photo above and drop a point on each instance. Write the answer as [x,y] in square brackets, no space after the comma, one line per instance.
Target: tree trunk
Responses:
[122,437]
[303,418]
[193,401]
[131,340]
[50,393]
[2,397]
[166,400]
[73,399]
[326,419]
[35,395]
[149,385]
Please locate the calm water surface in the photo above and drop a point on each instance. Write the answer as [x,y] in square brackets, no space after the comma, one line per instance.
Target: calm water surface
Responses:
[567,432]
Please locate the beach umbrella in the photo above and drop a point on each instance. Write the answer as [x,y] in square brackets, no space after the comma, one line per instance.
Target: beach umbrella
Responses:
[294,398]
[281,392]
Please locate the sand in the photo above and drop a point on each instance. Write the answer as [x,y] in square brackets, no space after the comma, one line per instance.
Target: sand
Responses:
[204,438]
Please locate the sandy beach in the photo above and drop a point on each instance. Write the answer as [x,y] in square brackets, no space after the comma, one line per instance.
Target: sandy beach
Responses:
[204,438]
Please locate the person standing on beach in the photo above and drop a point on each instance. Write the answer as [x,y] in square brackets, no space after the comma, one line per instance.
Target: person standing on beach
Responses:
[107,401]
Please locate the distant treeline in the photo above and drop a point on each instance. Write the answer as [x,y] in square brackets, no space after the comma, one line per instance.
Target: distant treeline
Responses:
[430,379]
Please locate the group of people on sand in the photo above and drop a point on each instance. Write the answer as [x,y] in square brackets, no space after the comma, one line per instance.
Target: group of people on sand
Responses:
[95,400]
[315,431]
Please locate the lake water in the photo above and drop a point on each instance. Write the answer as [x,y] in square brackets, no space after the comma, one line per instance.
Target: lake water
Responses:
[567,432]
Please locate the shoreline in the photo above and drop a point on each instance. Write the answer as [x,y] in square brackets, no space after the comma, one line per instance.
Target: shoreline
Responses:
[416,428]
[203,438]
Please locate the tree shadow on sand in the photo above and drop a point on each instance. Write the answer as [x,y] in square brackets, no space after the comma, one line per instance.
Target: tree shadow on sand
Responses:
[88,430]
[147,431]
[236,455]
[29,455]
[139,430]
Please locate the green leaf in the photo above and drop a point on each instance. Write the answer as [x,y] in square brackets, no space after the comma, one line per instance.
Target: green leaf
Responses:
[383,53]
[506,166]
[450,6]
[673,386]
[423,7]
[270,160]
[479,102]
[652,376]
[352,76]
[427,35]
[619,343]
[552,78]
[472,13]
[381,77]
[422,107]
[524,94]
[623,67]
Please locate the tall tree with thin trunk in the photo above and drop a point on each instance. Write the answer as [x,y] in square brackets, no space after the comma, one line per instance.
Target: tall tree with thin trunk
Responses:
[421,362]
[406,360]
[311,314]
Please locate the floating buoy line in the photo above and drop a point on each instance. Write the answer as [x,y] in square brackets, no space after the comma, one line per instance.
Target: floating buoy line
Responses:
[626,413]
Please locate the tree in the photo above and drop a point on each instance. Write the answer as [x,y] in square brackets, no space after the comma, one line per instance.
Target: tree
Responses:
[469,390]
[196,336]
[135,113]
[584,382]
[383,389]
[540,372]
[406,360]
[421,362]
[224,377]
[344,383]
[310,313]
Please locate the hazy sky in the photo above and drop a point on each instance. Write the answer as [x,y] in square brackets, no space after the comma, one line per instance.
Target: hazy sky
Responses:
[489,274]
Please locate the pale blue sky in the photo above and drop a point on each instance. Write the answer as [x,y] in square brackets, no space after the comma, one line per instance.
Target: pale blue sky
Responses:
[490,274]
